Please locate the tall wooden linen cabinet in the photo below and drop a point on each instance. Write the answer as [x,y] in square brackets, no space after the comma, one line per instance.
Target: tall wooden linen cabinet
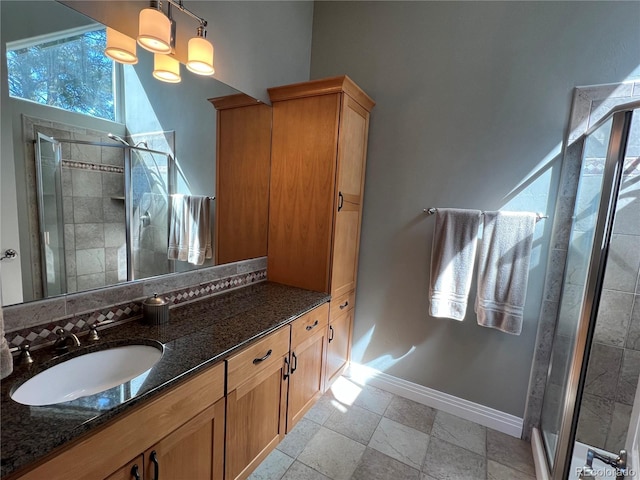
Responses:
[318,157]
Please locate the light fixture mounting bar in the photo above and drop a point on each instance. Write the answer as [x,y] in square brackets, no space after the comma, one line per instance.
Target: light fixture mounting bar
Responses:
[180,6]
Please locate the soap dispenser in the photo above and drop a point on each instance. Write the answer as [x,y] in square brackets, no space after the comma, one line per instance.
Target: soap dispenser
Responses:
[156,310]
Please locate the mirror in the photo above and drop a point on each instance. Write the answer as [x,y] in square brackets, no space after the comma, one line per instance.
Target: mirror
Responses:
[96,196]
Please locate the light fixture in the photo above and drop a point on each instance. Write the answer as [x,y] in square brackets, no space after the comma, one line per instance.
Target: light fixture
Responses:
[166,68]
[200,53]
[156,33]
[120,47]
[154,29]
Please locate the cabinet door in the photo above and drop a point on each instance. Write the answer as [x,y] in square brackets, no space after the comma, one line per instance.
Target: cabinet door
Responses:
[131,471]
[302,190]
[338,346]
[352,153]
[242,182]
[256,416]
[194,450]
[305,380]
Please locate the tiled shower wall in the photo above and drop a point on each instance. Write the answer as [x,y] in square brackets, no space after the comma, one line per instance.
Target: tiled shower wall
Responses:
[93,206]
[94,217]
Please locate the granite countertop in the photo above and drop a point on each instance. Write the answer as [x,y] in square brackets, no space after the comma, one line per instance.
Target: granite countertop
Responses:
[198,335]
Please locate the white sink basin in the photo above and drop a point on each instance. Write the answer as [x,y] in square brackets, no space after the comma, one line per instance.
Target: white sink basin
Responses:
[87,374]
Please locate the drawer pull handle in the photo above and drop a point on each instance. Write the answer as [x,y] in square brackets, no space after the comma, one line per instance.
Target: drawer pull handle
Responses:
[156,465]
[331,332]
[258,360]
[311,327]
[135,472]
[286,368]
[294,364]
[344,305]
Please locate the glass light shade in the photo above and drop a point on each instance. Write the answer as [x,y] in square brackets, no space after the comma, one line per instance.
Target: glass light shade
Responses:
[120,48]
[154,31]
[200,56]
[166,68]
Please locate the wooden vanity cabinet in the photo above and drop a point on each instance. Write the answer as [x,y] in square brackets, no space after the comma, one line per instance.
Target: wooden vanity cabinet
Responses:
[318,158]
[257,381]
[306,379]
[339,338]
[184,426]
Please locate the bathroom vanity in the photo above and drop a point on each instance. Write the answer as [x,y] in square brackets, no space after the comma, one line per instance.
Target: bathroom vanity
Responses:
[255,356]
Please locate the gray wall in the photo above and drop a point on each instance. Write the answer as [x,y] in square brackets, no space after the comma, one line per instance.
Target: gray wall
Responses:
[472,102]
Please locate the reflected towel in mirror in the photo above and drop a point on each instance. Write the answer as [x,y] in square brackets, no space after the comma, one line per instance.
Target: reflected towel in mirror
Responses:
[190,229]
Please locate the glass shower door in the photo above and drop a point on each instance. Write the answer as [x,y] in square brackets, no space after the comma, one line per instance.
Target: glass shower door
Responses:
[49,184]
[581,285]
[151,184]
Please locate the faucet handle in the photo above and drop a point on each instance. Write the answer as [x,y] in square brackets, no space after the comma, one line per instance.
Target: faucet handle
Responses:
[25,354]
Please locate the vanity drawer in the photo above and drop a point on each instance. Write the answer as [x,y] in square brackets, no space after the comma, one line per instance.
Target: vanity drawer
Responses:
[309,324]
[342,304]
[256,357]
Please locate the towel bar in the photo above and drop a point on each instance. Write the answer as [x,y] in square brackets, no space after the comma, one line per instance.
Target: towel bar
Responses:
[432,210]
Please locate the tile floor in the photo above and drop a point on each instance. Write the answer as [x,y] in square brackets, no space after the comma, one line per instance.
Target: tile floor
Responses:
[364,433]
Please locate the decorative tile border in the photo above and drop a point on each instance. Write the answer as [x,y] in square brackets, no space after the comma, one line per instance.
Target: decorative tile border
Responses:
[92,166]
[41,335]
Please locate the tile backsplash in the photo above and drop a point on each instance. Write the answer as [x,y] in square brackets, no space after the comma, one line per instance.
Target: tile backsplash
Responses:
[34,322]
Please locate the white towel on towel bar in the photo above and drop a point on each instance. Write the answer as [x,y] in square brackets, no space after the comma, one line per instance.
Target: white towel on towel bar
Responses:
[503,270]
[190,229]
[453,254]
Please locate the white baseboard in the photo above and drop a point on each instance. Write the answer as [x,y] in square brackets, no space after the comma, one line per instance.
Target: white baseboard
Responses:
[539,461]
[489,417]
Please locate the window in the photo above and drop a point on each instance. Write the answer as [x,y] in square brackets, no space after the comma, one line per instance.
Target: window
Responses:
[67,70]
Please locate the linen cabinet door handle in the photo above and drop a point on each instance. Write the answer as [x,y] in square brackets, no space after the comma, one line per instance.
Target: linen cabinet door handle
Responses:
[135,473]
[330,333]
[156,465]
[286,368]
[262,359]
[340,201]
[311,327]
[294,364]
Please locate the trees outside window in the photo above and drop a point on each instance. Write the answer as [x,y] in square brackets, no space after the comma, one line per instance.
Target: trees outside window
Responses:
[71,73]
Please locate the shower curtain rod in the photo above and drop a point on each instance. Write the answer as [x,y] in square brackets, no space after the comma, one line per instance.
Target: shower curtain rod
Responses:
[431,211]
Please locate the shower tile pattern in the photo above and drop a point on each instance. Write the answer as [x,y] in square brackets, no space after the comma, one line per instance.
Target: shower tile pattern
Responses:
[93,209]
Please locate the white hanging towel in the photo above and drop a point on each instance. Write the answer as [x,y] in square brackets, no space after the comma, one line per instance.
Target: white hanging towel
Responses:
[503,271]
[190,229]
[453,254]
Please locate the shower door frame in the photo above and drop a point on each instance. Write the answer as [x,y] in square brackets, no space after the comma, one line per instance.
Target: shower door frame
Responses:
[172,166]
[586,324]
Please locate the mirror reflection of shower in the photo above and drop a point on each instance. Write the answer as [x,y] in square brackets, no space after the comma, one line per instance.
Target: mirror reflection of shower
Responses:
[103,219]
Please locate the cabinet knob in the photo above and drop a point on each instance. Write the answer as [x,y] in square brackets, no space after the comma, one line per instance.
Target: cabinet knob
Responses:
[156,465]
[262,359]
[311,327]
[294,363]
[135,472]
[286,368]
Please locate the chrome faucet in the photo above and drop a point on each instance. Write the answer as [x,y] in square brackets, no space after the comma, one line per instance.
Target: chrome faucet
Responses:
[619,463]
[62,342]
